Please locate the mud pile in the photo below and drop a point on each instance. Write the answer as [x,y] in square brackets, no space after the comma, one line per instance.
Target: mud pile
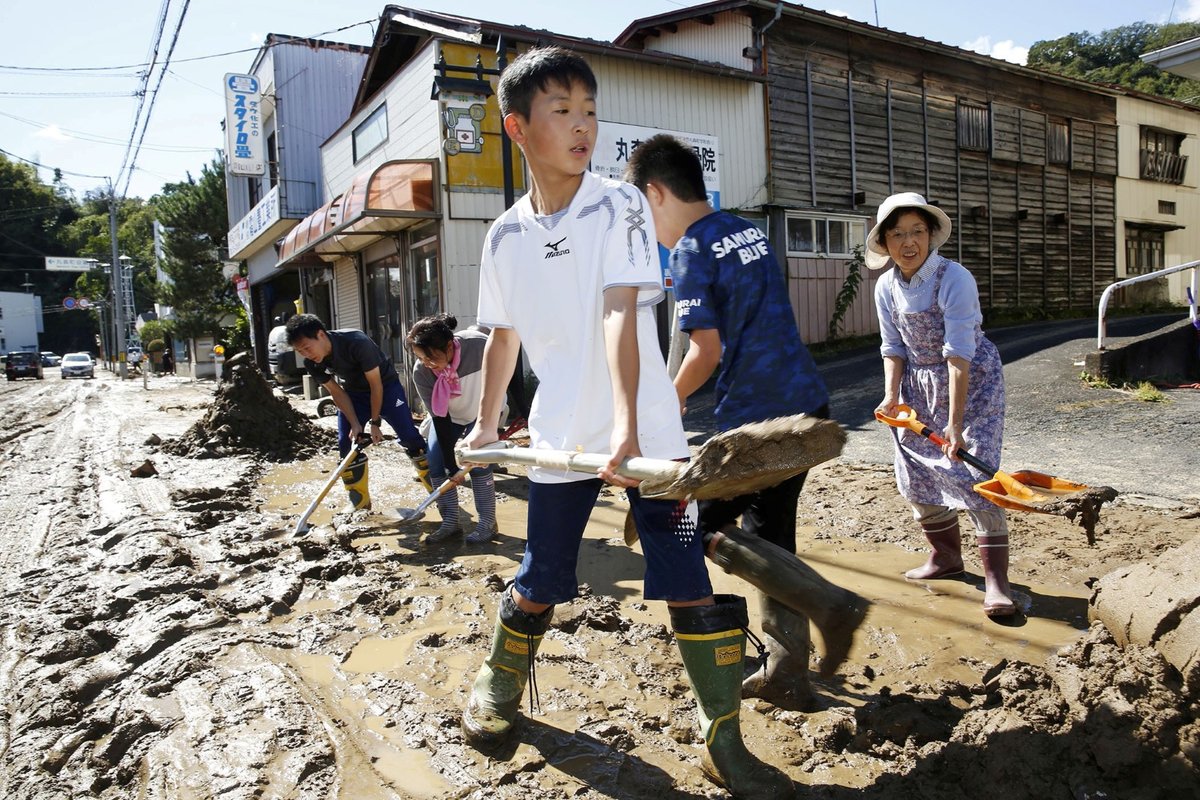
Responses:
[1116,714]
[247,418]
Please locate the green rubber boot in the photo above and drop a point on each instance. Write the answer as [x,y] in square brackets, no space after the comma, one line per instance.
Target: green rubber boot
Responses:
[354,477]
[712,641]
[488,718]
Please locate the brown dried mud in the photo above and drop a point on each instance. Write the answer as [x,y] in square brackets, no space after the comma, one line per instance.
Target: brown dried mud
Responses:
[167,637]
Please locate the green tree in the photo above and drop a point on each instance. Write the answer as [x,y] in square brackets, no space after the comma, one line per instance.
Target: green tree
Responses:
[194,215]
[1114,56]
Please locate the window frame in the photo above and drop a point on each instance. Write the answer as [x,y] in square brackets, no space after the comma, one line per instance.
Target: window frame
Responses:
[1139,241]
[1054,155]
[816,217]
[371,121]
[974,126]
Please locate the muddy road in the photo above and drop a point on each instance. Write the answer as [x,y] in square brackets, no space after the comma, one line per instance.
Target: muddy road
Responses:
[167,636]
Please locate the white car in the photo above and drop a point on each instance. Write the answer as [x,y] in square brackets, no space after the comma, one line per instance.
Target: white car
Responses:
[78,365]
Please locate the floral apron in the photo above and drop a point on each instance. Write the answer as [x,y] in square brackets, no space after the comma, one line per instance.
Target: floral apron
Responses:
[923,473]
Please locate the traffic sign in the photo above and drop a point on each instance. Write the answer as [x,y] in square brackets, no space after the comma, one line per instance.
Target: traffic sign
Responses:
[84,303]
[68,302]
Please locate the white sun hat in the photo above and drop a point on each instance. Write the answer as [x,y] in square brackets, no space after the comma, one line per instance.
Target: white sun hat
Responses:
[877,254]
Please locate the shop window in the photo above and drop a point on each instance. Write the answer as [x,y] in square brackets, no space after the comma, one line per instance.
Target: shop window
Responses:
[370,133]
[824,236]
[1144,249]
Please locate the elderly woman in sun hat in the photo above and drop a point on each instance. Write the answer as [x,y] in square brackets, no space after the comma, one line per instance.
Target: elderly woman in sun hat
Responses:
[937,360]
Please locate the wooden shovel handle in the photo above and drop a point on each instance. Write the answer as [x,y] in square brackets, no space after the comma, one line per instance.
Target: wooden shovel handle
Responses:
[905,418]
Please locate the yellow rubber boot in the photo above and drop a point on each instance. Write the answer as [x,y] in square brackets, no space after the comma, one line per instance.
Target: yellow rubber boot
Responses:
[355,480]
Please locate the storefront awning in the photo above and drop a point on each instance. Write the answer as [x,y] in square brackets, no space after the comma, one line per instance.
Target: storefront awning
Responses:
[393,196]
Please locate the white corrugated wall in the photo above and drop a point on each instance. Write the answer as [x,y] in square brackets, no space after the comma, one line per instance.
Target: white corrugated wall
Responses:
[347,308]
[693,102]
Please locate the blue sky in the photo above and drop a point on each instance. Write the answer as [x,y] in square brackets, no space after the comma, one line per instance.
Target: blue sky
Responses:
[80,120]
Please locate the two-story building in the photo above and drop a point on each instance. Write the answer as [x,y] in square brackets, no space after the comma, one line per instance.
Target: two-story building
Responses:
[417,173]
[304,90]
[1157,203]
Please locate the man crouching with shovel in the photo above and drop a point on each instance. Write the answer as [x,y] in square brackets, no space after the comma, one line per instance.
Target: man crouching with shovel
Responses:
[733,304]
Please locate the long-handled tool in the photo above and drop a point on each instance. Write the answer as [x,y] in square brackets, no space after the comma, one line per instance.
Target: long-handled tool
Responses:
[730,464]
[1024,490]
[355,448]
[453,482]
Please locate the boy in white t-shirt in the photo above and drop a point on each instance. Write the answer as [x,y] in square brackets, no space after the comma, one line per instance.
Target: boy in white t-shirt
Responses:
[571,273]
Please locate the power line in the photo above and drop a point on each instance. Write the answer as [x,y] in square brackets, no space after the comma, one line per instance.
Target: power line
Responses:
[43,166]
[282,40]
[68,95]
[98,139]
[156,40]
[150,109]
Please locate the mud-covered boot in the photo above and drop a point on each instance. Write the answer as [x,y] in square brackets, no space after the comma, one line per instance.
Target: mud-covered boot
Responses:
[836,612]
[490,713]
[420,463]
[712,642]
[782,680]
[945,558]
[997,597]
[354,478]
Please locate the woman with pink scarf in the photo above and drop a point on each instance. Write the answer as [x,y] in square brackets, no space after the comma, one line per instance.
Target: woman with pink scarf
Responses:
[449,379]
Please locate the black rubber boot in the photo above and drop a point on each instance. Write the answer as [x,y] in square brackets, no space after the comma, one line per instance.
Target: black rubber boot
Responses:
[488,718]
[712,642]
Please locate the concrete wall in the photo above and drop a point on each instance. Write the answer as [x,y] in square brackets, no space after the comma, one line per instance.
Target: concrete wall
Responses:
[1172,354]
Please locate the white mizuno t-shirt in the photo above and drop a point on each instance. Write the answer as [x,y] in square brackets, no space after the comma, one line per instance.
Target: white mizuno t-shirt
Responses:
[544,277]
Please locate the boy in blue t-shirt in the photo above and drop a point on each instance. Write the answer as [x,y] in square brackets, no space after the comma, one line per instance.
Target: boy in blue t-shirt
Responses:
[733,304]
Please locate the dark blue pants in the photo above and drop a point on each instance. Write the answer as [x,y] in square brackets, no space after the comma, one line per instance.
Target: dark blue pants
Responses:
[395,412]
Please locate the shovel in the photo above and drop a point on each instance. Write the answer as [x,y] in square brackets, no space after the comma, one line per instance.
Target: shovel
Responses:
[453,482]
[1024,490]
[302,523]
[733,463]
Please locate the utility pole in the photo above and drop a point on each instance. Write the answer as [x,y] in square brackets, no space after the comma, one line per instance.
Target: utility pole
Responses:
[117,279]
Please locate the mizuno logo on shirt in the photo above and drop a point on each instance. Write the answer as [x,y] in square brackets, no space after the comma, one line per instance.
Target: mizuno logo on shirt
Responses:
[553,248]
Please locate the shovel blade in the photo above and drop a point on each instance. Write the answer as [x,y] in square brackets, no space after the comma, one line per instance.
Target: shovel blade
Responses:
[1027,490]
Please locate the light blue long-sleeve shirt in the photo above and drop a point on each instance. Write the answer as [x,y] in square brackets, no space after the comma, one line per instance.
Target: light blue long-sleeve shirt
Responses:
[958,299]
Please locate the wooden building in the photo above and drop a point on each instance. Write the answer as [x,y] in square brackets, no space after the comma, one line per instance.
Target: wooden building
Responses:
[1024,162]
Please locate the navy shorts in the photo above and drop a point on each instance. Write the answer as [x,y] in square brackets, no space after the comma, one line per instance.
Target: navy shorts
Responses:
[559,512]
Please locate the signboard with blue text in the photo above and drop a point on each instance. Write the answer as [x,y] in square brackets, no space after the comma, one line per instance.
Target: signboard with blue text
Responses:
[616,141]
[243,125]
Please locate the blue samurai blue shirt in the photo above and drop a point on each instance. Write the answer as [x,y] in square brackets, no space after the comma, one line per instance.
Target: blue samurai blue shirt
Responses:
[726,278]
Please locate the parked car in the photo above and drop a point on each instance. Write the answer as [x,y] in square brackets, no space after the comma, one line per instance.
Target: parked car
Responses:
[23,365]
[50,359]
[78,365]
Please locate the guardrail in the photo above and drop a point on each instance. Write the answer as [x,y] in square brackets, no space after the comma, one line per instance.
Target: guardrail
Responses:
[1194,266]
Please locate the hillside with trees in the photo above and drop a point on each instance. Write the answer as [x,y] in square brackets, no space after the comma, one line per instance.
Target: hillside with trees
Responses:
[1114,56]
